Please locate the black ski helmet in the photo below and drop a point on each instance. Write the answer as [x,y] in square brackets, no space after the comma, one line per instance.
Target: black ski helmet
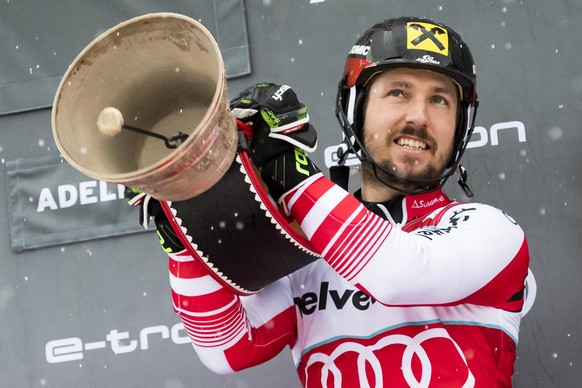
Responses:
[414,43]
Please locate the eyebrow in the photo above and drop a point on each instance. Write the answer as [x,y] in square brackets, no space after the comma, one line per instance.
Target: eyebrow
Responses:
[445,90]
[437,89]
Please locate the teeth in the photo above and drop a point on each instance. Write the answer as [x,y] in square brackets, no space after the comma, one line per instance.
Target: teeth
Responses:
[412,144]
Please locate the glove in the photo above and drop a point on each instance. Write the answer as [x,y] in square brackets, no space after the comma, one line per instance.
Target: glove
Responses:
[280,133]
[287,170]
[150,207]
[277,118]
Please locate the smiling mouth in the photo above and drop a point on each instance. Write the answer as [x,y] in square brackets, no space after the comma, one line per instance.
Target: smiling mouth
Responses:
[411,144]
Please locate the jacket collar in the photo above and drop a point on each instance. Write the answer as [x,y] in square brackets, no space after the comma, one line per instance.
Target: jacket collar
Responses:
[406,208]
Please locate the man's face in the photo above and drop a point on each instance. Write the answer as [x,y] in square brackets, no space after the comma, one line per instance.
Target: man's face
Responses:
[409,123]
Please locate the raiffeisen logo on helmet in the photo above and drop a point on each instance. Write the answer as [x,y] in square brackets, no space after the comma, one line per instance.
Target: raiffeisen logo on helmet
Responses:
[359,49]
[427,37]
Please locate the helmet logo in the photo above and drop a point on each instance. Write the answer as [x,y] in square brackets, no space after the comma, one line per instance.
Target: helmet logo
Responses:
[428,59]
[359,49]
[427,37]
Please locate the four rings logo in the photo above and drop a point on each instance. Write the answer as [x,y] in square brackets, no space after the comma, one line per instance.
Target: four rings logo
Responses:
[427,37]
[426,348]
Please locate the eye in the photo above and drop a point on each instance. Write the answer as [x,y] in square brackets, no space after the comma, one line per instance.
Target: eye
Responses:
[395,93]
[440,100]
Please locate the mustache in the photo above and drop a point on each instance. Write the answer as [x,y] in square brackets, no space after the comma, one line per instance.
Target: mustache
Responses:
[419,132]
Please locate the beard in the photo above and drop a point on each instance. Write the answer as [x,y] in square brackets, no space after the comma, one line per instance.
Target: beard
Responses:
[406,176]
[401,178]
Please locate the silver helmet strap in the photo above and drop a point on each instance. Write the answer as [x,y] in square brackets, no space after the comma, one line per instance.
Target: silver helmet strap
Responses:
[351,104]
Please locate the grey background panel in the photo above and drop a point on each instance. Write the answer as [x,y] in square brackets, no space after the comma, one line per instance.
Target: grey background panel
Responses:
[525,159]
[39,40]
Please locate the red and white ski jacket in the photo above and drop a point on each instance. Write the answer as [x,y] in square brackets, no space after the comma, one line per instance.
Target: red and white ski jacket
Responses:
[432,301]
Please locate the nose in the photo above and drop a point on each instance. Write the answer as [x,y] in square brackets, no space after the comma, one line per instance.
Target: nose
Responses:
[416,114]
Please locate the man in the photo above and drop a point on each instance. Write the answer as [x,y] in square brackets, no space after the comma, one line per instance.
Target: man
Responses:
[413,289]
